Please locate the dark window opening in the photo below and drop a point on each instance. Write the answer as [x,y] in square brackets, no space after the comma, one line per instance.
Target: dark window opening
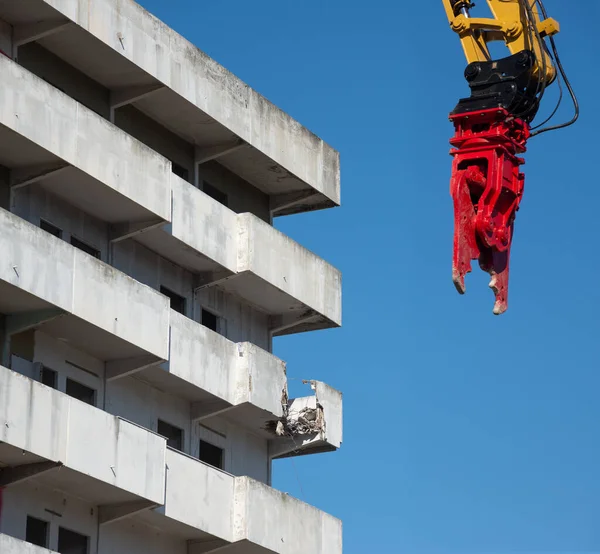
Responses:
[173,434]
[177,301]
[48,377]
[49,228]
[81,392]
[70,542]
[85,247]
[215,193]
[36,532]
[211,454]
[180,171]
[209,320]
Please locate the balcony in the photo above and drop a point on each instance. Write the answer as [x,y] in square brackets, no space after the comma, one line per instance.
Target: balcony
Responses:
[11,545]
[202,236]
[243,515]
[48,284]
[311,424]
[239,381]
[144,63]
[46,137]
[300,291]
[71,446]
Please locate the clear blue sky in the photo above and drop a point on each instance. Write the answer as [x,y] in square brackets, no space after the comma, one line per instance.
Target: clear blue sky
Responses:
[463,432]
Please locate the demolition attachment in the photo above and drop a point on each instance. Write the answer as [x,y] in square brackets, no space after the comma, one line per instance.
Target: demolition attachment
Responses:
[486,189]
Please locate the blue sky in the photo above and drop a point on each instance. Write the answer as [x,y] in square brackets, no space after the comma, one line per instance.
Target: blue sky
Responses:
[463,432]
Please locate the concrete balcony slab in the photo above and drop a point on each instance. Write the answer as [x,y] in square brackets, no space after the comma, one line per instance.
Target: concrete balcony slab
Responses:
[239,381]
[47,435]
[301,291]
[11,545]
[202,236]
[47,137]
[48,284]
[145,63]
[243,516]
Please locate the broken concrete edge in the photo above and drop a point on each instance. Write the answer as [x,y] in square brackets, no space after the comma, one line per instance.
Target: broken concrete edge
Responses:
[312,419]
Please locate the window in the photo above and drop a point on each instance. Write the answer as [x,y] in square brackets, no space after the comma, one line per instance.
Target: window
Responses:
[177,301]
[173,434]
[70,542]
[48,377]
[49,228]
[85,247]
[209,320]
[211,454]
[81,392]
[36,532]
[179,171]
[214,192]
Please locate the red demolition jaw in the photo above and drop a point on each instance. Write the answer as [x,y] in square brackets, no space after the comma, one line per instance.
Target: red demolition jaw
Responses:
[486,188]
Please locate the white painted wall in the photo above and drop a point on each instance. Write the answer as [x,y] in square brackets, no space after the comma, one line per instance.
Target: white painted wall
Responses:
[33,499]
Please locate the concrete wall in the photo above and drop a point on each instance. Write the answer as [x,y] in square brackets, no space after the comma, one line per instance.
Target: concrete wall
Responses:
[242,197]
[204,224]
[82,285]
[157,137]
[198,495]
[5,38]
[236,373]
[272,519]
[35,203]
[174,61]
[132,536]
[66,78]
[290,267]
[54,426]
[56,508]
[142,403]
[10,545]
[62,126]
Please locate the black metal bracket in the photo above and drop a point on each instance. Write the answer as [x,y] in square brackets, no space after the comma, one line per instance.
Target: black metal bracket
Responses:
[505,83]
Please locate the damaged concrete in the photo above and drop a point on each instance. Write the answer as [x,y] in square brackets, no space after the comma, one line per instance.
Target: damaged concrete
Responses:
[303,428]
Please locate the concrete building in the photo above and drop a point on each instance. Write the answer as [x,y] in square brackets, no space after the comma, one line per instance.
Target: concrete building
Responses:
[141,285]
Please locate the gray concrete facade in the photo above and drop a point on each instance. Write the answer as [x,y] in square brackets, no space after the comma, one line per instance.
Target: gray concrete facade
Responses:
[142,284]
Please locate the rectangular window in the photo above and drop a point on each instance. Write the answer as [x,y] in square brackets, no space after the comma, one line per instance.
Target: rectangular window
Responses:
[70,542]
[81,392]
[211,454]
[209,320]
[48,377]
[49,228]
[173,434]
[180,171]
[215,193]
[36,532]
[177,301]
[85,247]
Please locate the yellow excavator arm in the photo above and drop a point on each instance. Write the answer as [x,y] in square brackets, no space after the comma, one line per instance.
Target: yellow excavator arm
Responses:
[516,22]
